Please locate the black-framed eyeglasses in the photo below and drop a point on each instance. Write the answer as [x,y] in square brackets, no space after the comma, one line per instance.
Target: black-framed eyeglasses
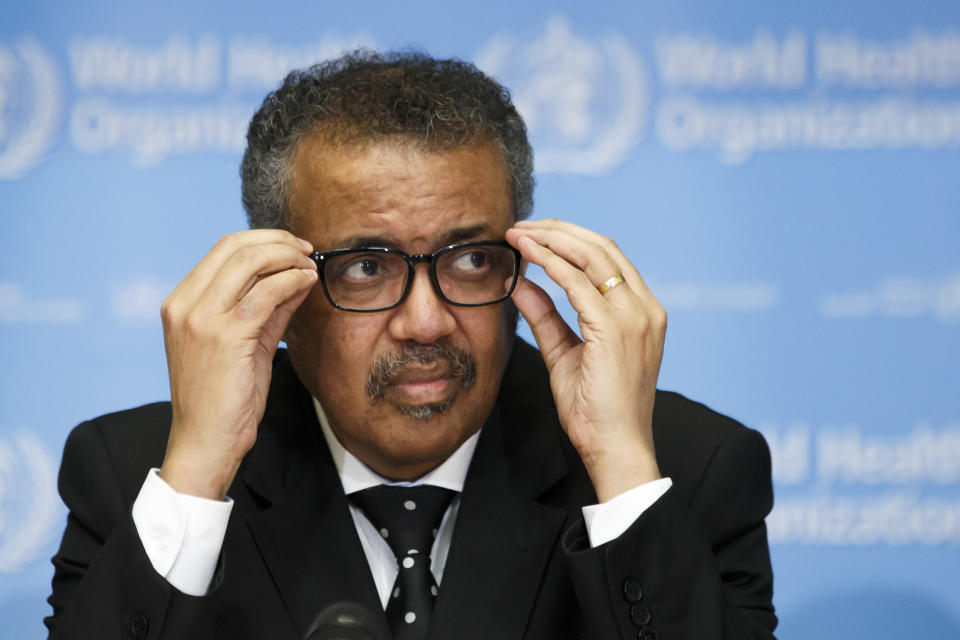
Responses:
[471,274]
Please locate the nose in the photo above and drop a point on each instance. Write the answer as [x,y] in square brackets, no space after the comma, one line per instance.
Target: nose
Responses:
[423,317]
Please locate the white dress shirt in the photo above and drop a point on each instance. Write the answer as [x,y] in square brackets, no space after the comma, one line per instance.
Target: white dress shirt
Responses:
[182,535]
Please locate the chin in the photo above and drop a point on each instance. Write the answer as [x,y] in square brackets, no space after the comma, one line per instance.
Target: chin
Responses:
[425,435]
[423,412]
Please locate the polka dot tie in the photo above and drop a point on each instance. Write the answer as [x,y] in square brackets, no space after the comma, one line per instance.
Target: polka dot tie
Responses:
[408,518]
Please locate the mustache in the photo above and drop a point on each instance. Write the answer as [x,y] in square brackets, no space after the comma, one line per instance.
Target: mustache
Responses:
[388,367]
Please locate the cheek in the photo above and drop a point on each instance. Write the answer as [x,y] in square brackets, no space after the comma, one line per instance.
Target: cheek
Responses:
[348,343]
[333,349]
[490,335]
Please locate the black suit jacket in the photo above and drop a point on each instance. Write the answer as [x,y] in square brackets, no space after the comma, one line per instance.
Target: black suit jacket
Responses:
[695,565]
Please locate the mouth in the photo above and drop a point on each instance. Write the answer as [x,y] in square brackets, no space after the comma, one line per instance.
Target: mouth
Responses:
[420,385]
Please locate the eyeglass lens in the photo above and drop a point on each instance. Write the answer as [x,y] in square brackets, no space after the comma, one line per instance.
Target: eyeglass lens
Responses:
[470,275]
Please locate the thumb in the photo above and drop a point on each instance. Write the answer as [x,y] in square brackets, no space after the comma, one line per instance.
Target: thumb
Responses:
[554,337]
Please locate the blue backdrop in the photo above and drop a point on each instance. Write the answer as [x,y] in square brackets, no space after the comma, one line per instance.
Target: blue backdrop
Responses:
[785,177]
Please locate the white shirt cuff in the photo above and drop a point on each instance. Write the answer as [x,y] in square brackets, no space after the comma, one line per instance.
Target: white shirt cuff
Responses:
[181,534]
[607,520]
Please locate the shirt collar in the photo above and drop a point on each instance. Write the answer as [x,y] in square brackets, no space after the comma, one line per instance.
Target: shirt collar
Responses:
[356,476]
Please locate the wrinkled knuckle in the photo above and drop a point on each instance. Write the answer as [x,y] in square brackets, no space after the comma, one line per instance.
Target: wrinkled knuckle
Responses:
[659,316]
[605,243]
[169,311]
[232,241]
[194,327]
[245,255]
[585,279]
[247,309]
[641,324]
[608,255]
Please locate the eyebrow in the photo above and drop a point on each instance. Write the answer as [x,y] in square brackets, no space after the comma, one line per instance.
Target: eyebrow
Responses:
[454,236]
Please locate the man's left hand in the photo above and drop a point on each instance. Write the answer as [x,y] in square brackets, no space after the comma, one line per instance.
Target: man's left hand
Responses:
[604,384]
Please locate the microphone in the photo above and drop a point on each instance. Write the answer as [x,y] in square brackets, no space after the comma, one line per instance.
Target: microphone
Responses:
[344,621]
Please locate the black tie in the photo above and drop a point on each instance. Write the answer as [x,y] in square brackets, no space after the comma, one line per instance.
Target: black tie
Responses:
[408,518]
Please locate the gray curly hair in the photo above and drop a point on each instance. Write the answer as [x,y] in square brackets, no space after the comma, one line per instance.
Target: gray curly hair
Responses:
[362,96]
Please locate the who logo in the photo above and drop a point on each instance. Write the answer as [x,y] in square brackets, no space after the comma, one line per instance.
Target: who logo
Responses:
[30,511]
[30,106]
[585,102]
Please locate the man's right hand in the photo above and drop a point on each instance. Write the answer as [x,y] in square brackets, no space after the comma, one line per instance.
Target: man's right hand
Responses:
[221,327]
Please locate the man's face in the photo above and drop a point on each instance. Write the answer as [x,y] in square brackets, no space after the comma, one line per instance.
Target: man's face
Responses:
[390,195]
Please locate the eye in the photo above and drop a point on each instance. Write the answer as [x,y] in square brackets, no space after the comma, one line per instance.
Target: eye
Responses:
[361,268]
[473,260]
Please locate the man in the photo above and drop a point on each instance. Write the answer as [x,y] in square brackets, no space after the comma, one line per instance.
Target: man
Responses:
[387,196]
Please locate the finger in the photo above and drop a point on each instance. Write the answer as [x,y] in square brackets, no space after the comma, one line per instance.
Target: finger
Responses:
[627,268]
[272,294]
[630,272]
[554,337]
[582,294]
[196,282]
[276,326]
[590,258]
[595,309]
[566,227]
[245,268]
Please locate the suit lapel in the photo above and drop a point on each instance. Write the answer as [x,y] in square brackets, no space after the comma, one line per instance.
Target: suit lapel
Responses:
[304,530]
[503,537]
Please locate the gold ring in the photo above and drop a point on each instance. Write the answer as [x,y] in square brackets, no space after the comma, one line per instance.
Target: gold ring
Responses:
[610,283]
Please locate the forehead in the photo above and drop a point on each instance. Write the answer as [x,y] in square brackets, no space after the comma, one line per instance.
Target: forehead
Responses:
[391,190]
